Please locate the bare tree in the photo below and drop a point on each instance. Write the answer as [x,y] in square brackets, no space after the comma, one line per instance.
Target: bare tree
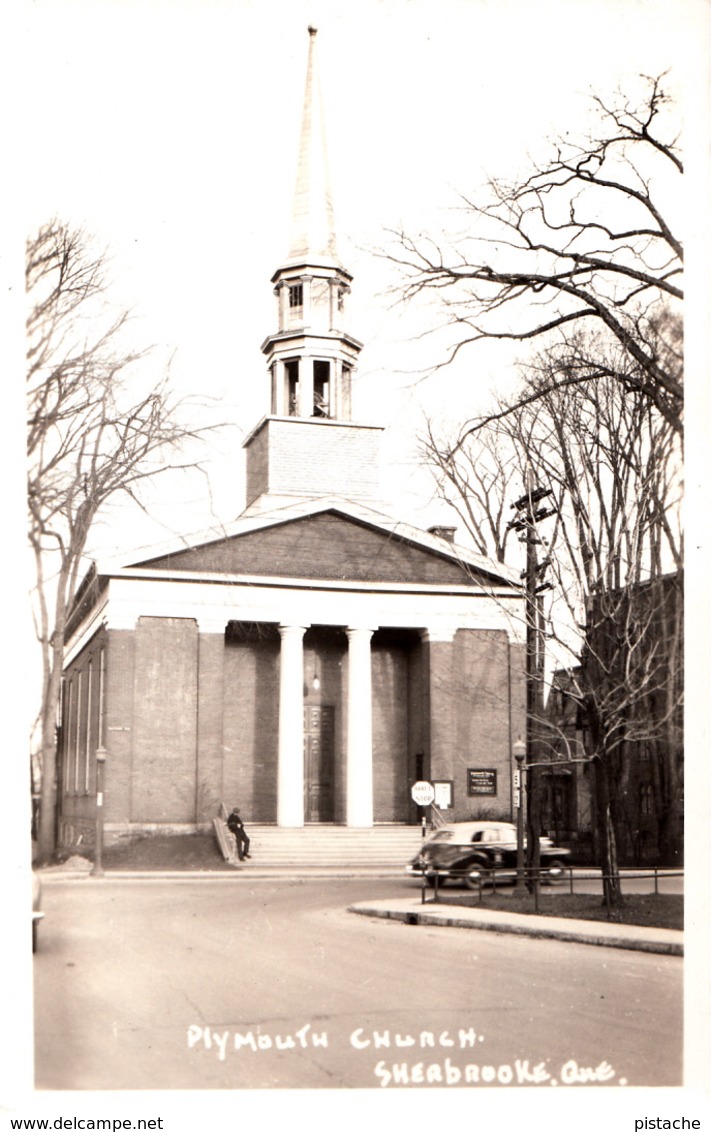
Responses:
[612,464]
[94,433]
[475,481]
[585,240]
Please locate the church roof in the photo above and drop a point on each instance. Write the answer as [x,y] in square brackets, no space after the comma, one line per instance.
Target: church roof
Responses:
[328,553]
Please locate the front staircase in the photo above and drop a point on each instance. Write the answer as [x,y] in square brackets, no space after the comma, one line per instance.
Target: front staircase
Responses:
[324,846]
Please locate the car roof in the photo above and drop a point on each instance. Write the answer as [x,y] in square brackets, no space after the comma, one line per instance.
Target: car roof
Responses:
[467,828]
[474,825]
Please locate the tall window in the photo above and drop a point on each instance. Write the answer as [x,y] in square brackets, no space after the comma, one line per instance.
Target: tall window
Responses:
[68,720]
[102,681]
[77,737]
[87,745]
[322,389]
[646,799]
[296,296]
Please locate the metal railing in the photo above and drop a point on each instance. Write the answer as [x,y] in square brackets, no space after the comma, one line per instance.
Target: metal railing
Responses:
[437,818]
[534,878]
[225,839]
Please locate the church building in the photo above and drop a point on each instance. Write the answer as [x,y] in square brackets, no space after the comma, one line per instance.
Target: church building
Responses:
[315,658]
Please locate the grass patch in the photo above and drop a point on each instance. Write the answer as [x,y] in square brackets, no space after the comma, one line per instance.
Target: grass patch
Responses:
[177,853]
[664,910]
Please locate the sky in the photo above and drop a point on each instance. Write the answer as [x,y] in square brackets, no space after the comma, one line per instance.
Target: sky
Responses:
[169,129]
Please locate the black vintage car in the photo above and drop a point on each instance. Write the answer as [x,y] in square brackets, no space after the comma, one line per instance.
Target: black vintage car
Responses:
[470,851]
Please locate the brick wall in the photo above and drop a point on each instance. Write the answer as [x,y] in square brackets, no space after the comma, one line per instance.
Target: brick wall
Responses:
[258,465]
[326,545]
[391,744]
[210,692]
[120,680]
[165,720]
[440,707]
[482,723]
[305,457]
[467,692]
[251,727]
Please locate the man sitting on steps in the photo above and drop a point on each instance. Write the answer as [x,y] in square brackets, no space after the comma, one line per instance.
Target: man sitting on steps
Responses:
[236,827]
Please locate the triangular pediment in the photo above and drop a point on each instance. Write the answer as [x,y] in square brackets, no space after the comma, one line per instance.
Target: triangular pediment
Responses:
[325,545]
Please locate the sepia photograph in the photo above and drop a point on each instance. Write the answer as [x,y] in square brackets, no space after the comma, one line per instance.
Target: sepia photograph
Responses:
[357,650]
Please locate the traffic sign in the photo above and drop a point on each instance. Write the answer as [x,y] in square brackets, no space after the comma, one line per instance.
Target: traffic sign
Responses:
[423,793]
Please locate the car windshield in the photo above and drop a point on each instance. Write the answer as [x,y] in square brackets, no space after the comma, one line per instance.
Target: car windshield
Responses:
[442,835]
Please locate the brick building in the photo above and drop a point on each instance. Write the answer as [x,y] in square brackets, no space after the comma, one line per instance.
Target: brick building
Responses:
[633,662]
[316,657]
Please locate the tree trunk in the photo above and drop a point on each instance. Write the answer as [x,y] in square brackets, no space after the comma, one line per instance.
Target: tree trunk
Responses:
[47,826]
[49,786]
[607,840]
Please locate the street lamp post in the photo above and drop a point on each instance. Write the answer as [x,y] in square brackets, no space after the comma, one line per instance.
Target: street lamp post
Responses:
[519,754]
[98,870]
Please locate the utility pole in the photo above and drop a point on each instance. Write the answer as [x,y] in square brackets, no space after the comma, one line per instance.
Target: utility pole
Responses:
[528,514]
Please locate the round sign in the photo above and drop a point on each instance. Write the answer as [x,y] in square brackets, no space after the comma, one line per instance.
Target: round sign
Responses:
[423,793]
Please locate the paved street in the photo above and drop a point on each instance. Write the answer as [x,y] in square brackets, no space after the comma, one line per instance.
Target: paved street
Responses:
[263,984]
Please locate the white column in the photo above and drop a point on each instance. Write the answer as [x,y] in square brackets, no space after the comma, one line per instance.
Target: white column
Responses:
[290,785]
[359,732]
[307,297]
[282,292]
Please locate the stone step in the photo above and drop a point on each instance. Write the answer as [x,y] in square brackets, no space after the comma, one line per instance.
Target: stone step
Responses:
[334,845]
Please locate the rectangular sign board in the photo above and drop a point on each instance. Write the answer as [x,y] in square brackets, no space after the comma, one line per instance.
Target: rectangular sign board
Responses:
[443,793]
[481,782]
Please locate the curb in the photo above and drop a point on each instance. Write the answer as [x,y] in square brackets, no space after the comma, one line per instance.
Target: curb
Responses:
[236,872]
[661,941]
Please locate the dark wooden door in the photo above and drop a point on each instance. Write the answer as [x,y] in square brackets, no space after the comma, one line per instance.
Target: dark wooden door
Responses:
[319,752]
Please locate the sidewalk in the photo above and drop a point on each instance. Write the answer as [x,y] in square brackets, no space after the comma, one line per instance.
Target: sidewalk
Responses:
[75,871]
[599,933]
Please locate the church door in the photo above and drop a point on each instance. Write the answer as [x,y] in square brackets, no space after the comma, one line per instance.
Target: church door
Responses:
[319,754]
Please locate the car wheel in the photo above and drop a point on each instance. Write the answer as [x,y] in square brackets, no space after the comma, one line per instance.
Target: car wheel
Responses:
[554,873]
[475,876]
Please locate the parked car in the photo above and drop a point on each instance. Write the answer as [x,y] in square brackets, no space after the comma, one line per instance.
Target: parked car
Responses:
[37,915]
[471,851]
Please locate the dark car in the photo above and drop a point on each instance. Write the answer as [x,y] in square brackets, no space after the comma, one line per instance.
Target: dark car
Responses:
[470,851]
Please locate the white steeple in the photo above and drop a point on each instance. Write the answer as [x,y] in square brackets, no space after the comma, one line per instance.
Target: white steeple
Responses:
[308,445]
[311,357]
[313,234]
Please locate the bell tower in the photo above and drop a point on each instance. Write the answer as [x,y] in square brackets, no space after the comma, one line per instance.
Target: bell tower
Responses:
[311,357]
[299,448]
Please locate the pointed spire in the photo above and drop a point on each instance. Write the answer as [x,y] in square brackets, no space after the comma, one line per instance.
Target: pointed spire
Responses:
[313,233]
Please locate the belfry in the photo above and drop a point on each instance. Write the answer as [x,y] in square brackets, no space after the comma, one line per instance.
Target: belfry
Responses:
[314,658]
[309,445]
